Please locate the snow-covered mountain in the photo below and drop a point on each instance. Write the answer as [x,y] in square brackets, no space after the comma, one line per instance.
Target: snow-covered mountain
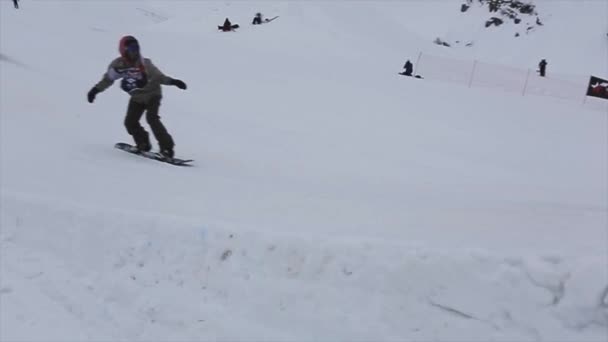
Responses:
[331,199]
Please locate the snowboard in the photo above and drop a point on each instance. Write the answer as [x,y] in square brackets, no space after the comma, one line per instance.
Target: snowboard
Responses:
[232,28]
[269,20]
[265,21]
[153,155]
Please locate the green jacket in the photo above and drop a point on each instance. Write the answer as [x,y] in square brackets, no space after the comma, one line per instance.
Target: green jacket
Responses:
[141,81]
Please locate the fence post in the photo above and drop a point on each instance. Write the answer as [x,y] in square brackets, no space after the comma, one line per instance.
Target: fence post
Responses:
[472,73]
[523,93]
[417,62]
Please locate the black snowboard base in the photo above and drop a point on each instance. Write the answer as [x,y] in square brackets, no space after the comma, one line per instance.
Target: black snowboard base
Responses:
[226,29]
[153,155]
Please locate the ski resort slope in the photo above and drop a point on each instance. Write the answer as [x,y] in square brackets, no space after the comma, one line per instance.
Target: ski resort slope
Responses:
[331,199]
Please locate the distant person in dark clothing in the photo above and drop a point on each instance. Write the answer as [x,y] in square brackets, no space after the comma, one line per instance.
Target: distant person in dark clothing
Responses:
[494,5]
[409,68]
[542,67]
[257,20]
[228,26]
[16,3]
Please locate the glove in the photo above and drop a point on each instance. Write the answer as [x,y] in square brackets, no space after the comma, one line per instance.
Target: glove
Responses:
[179,83]
[92,93]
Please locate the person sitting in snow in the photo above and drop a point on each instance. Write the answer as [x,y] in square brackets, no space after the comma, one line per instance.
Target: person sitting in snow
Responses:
[409,69]
[228,26]
[257,20]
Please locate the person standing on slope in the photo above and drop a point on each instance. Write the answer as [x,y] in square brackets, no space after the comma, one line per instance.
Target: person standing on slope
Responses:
[16,4]
[542,68]
[142,80]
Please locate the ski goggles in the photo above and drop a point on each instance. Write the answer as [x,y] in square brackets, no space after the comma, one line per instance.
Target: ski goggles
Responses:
[132,47]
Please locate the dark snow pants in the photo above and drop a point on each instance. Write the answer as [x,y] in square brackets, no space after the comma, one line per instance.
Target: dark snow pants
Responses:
[134,113]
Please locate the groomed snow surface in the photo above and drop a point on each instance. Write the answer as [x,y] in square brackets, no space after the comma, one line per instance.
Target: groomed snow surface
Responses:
[331,199]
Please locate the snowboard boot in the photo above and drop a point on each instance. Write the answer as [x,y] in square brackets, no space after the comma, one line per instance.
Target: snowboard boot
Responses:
[167,153]
[144,147]
[142,140]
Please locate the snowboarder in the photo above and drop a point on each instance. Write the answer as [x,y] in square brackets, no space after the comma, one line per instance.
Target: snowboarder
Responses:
[142,80]
[542,67]
[257,20]
[228,26]
[16,4]
[409,68]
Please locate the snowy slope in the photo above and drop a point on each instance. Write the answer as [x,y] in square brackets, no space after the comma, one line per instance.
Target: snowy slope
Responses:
[572,38]
[331,199]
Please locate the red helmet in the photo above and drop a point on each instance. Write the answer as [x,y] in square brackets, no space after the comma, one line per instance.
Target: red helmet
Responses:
[127,42]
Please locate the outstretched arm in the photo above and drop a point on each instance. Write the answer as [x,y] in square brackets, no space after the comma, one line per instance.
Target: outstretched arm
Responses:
[106,81]
[104,84]
[155,72]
